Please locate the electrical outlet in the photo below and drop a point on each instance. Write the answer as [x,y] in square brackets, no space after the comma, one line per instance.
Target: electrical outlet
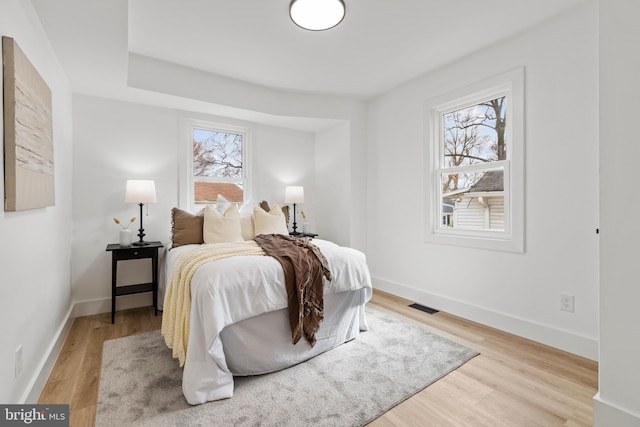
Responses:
[566,303]
[18,360]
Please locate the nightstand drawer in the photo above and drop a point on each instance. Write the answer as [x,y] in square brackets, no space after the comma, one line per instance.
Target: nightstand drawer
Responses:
[134,253]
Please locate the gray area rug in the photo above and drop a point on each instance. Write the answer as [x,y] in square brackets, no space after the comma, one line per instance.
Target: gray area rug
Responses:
[351,385]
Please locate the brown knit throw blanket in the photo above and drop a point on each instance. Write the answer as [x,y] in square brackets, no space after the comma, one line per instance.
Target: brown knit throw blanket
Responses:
[304,266]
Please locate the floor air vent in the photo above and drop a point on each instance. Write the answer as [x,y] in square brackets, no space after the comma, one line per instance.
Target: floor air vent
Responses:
[423,308]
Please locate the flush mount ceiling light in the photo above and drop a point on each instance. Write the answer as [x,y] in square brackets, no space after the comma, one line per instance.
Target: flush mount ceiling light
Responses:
[317,15]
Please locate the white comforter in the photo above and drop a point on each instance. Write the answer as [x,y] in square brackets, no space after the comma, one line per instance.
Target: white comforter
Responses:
[230,290]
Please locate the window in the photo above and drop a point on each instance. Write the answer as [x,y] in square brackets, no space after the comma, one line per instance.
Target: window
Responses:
[475,157]
[216,164]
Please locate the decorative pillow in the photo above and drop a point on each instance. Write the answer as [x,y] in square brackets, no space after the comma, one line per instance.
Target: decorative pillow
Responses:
[285,209]
[273,222]
[186,228]
[222,204]
[246,225]
[220,228]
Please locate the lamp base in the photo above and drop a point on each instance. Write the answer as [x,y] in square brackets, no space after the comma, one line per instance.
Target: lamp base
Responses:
[295,226]
[141,234]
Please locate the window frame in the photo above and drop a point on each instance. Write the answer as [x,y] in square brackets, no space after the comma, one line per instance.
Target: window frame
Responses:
[511,85]
[188,180]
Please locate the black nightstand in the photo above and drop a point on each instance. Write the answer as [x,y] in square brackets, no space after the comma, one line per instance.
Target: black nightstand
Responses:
[312,235]
[122,253]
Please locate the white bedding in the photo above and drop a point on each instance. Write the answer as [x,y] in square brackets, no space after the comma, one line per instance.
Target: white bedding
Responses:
[247,295]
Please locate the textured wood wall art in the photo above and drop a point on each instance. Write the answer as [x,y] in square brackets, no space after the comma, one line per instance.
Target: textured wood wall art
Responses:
[28,133]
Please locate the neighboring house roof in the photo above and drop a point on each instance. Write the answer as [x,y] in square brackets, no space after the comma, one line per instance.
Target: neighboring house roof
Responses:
[454,193]
[490,181]
[208,191]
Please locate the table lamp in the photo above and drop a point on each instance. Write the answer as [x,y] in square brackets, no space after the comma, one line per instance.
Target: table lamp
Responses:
[140,191]
[294,194]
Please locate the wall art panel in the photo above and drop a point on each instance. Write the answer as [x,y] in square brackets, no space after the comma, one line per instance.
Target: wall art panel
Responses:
[28,133]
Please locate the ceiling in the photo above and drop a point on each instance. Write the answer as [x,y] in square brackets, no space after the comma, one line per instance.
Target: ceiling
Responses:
[379,45]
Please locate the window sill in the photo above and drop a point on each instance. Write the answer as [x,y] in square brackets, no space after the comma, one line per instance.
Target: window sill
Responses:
[495,244]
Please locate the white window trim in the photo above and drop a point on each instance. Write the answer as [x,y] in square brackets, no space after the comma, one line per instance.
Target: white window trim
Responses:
[512,238]
[185,159]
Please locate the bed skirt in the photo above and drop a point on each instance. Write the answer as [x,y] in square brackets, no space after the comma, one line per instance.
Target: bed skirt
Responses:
[262,344]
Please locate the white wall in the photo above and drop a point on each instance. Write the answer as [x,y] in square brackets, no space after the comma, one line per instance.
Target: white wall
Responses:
[332,167]
[115,141]
[519,293]
[283,157]
[182,82]
[618,399]
[35,249]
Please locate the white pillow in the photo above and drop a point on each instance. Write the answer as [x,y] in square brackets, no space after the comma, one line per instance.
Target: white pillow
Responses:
[273,222]
[246,224]
[222,204]
[220,228]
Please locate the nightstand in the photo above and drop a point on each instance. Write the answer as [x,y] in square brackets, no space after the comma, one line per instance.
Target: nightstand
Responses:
[297,234]
[123,253]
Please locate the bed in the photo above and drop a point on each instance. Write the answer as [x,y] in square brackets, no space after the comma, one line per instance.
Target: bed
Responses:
[238,323]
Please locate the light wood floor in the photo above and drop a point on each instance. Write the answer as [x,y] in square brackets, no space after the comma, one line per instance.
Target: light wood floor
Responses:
[513,382]
[75,375]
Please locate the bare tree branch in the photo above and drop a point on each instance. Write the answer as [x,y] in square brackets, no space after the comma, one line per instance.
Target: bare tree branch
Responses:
[218,155]
[465,143]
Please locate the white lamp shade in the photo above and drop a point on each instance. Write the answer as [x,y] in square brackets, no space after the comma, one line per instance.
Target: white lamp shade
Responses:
[140,191]
[294,194]
[317,15]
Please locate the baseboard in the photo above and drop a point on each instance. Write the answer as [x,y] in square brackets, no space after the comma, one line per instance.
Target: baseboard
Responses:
[606,414]
[557,338]
[40,377]
[103,305]
[78,309]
